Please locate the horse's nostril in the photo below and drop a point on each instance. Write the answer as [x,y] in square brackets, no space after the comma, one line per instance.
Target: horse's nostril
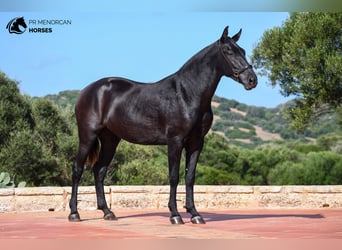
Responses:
[252,81]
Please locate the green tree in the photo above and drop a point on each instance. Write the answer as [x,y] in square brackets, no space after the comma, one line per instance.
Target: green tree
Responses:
[319,167]
[331,141]
[287,173]
[37,139]
[27,159]
[216,152]
[138,165]
[313,168]
[15,110]
[213,176]
[48,122]
[304,57]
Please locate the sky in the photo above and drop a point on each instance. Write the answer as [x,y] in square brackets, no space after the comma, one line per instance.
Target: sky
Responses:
[144,44]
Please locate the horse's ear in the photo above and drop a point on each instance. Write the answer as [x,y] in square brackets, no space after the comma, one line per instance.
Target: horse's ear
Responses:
[224,34]
[236,37]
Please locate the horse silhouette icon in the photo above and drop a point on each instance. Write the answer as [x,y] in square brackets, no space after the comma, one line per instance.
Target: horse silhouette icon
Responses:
[16,26]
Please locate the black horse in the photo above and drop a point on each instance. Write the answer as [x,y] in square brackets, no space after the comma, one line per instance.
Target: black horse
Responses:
[175,111]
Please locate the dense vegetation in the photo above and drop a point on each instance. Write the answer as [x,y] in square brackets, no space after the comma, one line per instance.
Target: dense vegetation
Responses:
[38,140]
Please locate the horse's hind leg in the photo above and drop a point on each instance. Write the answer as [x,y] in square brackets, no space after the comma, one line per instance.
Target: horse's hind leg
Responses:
[77,170]
[109,142]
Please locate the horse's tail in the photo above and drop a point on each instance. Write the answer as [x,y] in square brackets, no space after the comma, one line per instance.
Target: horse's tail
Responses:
[93,155]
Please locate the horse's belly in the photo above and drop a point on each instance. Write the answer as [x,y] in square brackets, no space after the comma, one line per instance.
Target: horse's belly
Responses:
[145,137]
[142,132]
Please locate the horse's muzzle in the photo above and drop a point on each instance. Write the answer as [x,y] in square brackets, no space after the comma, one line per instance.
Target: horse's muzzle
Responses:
[252,83]
[249,80]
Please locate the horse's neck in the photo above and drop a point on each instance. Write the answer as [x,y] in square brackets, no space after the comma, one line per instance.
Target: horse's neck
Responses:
[201,74]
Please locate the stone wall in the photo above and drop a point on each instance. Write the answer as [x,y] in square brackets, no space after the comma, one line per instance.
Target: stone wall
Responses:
[156,197]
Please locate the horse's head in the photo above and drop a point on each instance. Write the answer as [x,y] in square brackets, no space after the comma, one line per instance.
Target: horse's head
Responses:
[235,63]
[21,21]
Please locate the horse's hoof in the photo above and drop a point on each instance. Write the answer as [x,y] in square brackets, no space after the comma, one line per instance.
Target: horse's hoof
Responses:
[74,217]
[176,220]
[110,216]
[197,220]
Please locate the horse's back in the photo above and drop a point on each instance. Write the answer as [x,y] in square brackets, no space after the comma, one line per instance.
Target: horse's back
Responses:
[109,86]
[98,97]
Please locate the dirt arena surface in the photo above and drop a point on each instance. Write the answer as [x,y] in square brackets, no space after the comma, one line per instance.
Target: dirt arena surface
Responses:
[154,224]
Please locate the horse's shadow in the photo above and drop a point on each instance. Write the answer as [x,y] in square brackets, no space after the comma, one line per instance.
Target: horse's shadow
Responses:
[216,216]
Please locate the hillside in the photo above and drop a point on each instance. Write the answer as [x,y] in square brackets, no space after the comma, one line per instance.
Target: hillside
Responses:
[242,124]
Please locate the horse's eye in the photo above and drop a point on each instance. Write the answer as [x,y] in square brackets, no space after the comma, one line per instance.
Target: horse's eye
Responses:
[228,50]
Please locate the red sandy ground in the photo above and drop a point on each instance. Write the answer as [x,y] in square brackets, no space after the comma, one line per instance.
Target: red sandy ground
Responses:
[154,224]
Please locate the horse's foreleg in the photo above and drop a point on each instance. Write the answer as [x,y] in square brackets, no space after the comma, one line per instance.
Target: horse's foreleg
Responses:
[174,156]
[192,154]
[108,147]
